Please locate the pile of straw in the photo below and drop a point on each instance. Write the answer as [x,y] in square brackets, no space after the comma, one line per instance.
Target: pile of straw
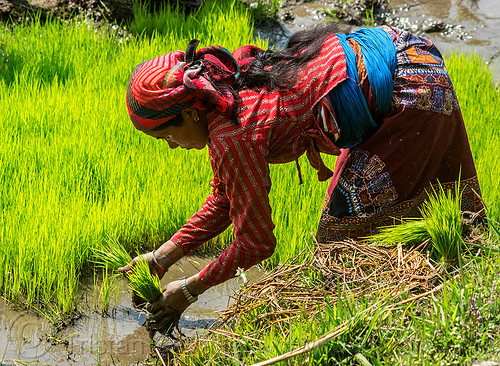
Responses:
[341,267]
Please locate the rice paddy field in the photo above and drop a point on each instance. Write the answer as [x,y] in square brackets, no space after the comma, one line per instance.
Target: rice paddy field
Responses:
[74,172]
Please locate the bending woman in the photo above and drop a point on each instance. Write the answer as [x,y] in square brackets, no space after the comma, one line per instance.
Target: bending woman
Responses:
[381,98]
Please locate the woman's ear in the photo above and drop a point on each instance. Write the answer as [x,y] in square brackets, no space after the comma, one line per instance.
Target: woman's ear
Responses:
[191,113]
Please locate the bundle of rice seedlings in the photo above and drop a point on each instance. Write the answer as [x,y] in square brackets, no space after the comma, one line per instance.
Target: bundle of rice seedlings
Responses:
[443,221]
[143,282]
[413,231]
[111,256]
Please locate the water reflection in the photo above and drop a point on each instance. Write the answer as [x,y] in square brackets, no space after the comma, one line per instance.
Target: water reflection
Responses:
[116,339]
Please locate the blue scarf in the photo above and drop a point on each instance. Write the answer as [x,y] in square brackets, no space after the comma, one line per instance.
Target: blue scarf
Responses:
[351,109]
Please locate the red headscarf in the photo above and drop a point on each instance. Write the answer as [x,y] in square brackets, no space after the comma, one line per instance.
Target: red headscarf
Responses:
[159,89]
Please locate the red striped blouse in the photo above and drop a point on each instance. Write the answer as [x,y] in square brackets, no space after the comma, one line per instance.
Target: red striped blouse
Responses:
[275,126]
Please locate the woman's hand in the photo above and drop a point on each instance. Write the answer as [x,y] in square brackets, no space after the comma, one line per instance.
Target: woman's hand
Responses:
[159,260]
[155,267]
[167,309]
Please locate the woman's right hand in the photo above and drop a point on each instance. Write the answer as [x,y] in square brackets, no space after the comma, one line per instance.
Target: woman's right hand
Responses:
[155,266]
[159,261]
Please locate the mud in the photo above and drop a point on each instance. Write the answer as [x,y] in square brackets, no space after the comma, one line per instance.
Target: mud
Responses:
[95,338]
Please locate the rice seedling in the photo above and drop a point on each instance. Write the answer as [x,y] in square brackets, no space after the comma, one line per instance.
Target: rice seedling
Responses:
[479,100]
[408,232]
[105,286]
[143,282]
[112,256]
[443,221]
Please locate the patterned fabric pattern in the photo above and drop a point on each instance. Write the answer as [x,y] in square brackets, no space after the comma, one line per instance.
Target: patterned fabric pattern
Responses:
[275,126]
[420,62]
[364,188]
[161,88]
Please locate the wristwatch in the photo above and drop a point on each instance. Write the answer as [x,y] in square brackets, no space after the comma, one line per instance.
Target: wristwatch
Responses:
[190,298]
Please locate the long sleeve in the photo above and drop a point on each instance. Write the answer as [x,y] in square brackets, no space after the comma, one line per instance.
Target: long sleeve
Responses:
[210,220]
[242,167]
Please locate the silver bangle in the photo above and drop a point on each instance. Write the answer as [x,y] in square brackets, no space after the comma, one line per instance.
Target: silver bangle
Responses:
[190,298]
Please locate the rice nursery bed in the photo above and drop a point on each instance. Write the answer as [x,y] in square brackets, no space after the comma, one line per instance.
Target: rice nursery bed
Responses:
[74,172]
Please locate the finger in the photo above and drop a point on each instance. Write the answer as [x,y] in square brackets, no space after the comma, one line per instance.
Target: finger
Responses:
[169,328]
[159,305]
[155,325]
[167,310]
[127,268]
[166,323]
[138,301]
[158,316]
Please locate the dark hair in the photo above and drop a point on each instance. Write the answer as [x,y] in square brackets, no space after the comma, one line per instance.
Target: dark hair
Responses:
[277,68]
[173,122]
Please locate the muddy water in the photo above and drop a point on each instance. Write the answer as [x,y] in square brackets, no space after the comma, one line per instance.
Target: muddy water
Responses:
[460,25]
[479,21]
[119,338]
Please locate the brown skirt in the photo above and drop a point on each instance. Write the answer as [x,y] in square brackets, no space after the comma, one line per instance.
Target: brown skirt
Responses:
[421,143]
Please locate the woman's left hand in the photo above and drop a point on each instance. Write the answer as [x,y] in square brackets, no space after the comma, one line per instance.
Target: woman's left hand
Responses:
[167,309]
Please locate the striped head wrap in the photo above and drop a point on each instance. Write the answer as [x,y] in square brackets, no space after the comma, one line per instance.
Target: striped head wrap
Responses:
[159,89]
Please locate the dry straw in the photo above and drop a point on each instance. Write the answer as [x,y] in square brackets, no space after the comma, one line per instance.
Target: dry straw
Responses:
[348,269]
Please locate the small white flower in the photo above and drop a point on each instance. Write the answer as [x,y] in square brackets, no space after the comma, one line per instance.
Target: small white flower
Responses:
[241,273]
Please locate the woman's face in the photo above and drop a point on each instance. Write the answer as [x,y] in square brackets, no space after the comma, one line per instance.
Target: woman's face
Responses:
[192,134]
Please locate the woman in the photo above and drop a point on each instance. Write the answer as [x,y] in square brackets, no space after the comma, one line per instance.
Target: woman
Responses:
[380,98]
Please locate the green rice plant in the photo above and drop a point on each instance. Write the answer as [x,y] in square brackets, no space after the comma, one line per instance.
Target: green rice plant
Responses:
[479,99]
[408,232]
[443,221]
[105,289]
[112,255]
[225,23]
[72,167]
[369,18]
[143,282]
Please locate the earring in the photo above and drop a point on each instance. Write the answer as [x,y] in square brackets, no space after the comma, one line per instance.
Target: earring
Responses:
[196,118]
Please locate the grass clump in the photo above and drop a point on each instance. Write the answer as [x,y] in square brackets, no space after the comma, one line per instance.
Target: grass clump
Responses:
[114,255]
[409,232]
